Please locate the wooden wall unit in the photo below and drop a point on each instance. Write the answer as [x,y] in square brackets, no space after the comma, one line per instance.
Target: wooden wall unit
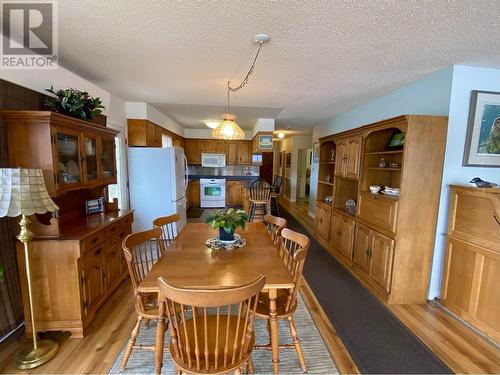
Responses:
[144,133]
[392,236]
[73,154]
[75,271]
[237,152]
[471,273]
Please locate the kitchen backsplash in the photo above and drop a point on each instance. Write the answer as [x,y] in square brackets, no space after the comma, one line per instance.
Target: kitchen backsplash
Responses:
[230,170]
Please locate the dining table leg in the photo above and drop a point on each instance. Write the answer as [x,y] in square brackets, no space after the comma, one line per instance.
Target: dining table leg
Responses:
[273,323]
[160,337]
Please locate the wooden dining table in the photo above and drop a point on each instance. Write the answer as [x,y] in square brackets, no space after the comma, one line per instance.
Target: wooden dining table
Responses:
[189,263]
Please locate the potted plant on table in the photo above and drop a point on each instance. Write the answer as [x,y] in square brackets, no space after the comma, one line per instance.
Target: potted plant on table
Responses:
[227,221]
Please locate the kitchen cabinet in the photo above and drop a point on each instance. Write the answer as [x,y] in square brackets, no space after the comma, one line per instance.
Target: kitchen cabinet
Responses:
[193,151]
[342,235]
[323,219]
[348,158]
[193,193]
[232,152]
[373,254]
[93,280]
[233,193]
[73,154]
[244,152]
[144,133]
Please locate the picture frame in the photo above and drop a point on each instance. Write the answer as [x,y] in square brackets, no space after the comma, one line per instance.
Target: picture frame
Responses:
[281,159]
[288,159]
[482,142]
[265,142]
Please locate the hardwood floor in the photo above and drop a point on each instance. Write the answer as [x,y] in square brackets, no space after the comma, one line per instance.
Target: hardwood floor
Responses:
[462,349]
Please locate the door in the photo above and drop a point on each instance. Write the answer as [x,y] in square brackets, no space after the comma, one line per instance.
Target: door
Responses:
[150,134]
[340,159]
[193,152]
[245,152]
[233,193]
[232,152]
[347,237]
[336,232]
[68,158]
[92,279]
[206,145]
[90,158]
[218,147]
[323,220]
[362,239]
[112,265]
[194,193]
[353,148]
[108,160]
[381,254]
[266,169]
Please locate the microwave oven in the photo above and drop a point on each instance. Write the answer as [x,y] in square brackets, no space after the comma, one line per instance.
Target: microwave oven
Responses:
[213,160]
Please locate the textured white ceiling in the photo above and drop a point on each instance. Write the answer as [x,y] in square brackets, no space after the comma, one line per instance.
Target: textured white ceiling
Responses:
[324,56]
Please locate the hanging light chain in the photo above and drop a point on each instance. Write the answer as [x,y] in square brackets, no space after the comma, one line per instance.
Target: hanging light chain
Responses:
[245,80]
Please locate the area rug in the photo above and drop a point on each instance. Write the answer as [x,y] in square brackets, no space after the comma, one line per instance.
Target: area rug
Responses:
[376,340]
[318,359]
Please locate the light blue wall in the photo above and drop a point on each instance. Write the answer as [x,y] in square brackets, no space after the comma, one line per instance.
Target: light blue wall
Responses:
[465,79]
[445,92]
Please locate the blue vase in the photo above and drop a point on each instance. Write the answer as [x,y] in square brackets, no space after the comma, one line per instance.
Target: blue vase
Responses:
[224,236]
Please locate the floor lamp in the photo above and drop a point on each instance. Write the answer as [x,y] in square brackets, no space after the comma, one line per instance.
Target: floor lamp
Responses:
[23,193]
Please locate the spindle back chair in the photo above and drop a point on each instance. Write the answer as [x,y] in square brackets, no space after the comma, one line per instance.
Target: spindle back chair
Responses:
[211,330]
[168,225]
[260,193]
[274,226]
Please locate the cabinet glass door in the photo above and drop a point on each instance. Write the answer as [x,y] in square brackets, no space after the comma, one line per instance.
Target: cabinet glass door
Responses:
[108,158]
[68,155]
[91,158]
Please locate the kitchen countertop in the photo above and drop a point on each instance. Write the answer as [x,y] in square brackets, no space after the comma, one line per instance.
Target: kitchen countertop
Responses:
[197,177]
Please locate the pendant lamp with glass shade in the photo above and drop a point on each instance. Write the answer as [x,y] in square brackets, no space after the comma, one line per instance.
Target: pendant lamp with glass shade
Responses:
[228,129]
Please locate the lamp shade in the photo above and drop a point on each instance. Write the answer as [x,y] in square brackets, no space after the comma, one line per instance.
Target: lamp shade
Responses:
[23,192]
[228,129]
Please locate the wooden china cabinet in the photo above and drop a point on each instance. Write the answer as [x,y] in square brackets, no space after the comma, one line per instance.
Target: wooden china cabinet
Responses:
[76,259]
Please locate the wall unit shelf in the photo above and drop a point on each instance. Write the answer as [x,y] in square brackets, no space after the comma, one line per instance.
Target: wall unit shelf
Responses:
[388,244]
[326,183]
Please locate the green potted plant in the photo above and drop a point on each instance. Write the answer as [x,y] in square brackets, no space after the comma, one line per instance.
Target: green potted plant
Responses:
[227,221]
[74,103]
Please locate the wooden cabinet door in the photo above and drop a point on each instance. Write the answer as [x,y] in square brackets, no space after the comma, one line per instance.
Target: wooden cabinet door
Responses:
[233,193]
[158,136]
[92,279]
[347,237]
[193,151]
[381,258]
[232,152]
[244,152]
[112,265]
[219,147]
[150,134]
[352,162]
[194,193]
[362,243]
[206,145]
[108,160]
[323,220]
[90,158]
[68,158]
[340,159]
[336,231]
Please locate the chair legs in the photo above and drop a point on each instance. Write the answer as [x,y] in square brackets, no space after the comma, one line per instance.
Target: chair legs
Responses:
[131,342]
[296,343]
[274,204]
[263,208]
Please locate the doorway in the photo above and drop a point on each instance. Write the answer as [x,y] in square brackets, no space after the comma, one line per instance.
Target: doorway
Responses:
[304,174]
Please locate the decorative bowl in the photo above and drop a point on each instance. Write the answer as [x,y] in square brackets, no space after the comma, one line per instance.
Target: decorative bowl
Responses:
[374,189]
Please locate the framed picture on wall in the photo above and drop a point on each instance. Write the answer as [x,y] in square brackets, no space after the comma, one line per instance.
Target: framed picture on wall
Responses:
[482,145]
[315,154]
[288,159]
[281,160]
[266,142]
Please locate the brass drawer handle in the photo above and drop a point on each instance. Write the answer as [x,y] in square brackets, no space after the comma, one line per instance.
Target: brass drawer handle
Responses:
[94,240]
[113,229]
[98,251]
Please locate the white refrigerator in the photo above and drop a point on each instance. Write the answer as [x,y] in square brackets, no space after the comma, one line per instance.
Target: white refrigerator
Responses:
[158,179]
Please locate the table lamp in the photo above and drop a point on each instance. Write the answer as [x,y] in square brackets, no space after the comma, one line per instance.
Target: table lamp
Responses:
[23,192]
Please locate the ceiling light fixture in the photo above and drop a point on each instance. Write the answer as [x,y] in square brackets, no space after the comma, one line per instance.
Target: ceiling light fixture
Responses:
[212,124]
[228,128]
[281,135]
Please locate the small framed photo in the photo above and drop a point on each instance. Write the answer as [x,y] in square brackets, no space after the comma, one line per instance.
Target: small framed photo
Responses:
[288,159]
[266,142]
[482,144]
[281,159]
[93,206]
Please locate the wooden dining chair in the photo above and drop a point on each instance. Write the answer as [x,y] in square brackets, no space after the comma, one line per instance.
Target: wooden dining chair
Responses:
[168,227]
[293,248]
[142,250]
[211,330]
[275,193]
[274,226]
[260,192]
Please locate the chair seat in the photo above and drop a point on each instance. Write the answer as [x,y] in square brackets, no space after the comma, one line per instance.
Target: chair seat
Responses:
[150,304]
[262,310]
[259,201]
[211,334]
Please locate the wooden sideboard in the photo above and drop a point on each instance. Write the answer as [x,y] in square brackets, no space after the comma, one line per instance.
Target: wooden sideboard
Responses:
[388,242]
[74,270]
[471,273]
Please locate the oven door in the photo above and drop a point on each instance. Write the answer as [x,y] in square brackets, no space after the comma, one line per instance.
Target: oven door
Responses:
[213,192]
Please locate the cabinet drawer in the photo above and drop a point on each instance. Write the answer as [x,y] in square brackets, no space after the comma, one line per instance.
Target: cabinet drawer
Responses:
[92,241]
[122,233]
[127,220]
[378,210]
[112,229]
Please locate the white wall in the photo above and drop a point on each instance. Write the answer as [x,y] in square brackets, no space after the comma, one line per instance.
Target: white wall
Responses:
[263,125]
[465,79]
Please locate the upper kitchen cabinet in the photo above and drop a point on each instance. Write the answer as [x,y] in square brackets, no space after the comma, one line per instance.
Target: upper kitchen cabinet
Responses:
[244,152]
[193,151]
[72,153]
[144,133]
[237,152]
